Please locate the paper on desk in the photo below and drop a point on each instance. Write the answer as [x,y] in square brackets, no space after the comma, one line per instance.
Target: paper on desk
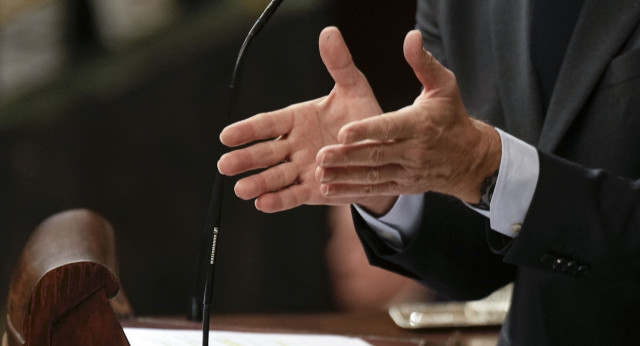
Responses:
[179,337]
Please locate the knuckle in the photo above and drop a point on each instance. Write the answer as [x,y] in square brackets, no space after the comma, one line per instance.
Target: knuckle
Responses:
[389,126]
[373,175]
[430,58]
[423,160]
[376,154]
[396,189]
[270,149]
[430,128]
[280,177]
[283,178]
[450,79]
[424,124]
[417,156]
[450,73]
[410,177]
[415,179]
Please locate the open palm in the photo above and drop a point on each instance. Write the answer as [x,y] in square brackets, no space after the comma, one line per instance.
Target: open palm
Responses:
[300,131]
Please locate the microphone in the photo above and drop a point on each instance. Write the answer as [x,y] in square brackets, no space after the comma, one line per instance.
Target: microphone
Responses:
[214,213]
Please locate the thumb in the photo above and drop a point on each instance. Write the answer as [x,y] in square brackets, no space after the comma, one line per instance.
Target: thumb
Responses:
[429,71]
[337,58]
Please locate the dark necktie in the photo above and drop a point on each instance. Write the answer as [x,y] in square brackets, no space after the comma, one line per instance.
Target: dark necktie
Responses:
[552,24]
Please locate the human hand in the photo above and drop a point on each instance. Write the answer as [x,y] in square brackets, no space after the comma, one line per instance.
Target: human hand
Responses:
[432,145]
[300,131]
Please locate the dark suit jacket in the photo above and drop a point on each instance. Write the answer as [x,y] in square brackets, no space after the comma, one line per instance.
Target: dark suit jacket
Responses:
[576,262]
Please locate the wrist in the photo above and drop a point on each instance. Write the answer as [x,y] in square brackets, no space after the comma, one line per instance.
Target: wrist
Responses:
[486,192]
[487,157]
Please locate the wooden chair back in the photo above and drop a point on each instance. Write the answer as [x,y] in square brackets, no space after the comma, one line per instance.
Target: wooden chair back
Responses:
[61,291]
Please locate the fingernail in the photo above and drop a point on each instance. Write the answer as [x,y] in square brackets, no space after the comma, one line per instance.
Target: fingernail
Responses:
[343,136]
[221,136]
[327,176]
[347,135]
[318,173]
[219,162]
[256,204]
[327,159]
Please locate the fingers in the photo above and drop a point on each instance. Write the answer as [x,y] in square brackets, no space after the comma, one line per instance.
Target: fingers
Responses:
[371,163]
[337,58]
[259,127]
[429,71]
[285,199]
[257,156]
[401,124]
[360,191]
[361,175]
[273,179]
[366,153]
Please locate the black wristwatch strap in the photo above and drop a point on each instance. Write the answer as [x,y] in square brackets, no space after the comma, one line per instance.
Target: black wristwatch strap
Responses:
[487,192]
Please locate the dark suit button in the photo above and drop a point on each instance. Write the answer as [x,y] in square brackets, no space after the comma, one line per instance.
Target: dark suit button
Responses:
[582,269]
[571,267]
[560,264]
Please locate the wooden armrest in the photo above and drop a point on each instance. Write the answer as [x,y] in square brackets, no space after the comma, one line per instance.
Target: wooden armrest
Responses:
[61,290]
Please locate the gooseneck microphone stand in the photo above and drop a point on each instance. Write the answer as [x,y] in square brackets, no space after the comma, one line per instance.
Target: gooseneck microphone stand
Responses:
[214,213]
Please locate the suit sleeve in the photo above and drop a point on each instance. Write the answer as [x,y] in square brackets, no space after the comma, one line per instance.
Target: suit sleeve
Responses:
[581,222]
[450,253]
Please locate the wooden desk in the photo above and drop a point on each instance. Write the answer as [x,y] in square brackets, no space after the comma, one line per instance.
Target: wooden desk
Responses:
[376,327]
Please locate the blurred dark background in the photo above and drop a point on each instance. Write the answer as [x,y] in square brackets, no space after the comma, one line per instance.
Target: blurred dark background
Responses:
[118,109]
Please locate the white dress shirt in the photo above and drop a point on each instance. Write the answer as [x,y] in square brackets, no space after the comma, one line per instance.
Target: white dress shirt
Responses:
[519,170]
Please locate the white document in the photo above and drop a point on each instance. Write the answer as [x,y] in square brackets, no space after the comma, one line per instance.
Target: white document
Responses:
[178,337]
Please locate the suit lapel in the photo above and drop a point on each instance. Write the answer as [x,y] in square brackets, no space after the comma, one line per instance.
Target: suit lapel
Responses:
[600,32]
[517,84]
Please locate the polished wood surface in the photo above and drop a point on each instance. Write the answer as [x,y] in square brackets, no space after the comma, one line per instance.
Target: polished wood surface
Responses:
[375,327]
[60,293]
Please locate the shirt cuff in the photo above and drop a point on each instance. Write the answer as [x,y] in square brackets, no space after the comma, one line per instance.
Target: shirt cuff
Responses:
[519,171]
[400,224]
